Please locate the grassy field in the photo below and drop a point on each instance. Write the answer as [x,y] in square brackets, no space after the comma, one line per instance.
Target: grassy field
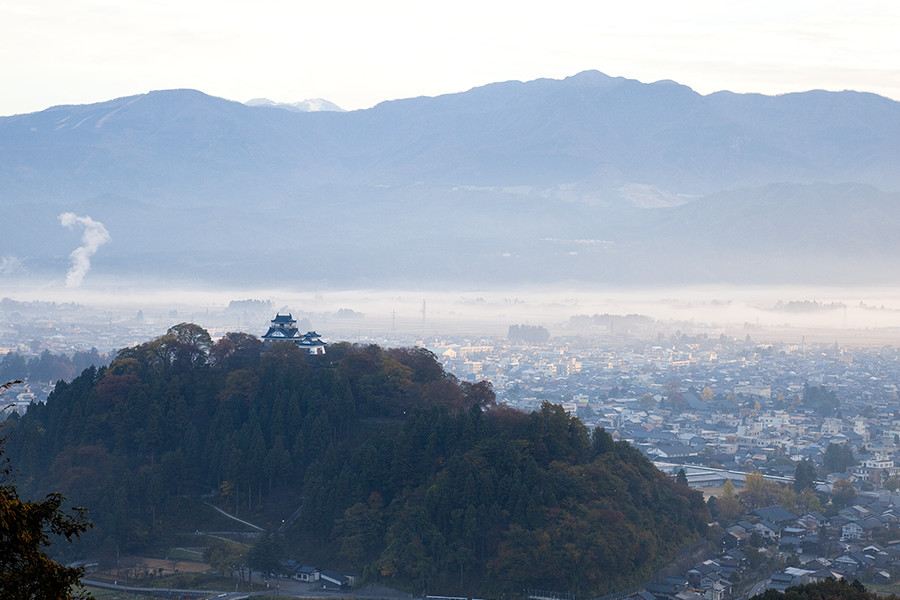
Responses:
[192,554]
[171,567]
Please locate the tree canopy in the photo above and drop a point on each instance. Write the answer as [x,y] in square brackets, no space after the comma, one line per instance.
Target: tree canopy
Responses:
[804,475]
[404,474]
[26,569]
[822,400]
[830,589]
[837,458]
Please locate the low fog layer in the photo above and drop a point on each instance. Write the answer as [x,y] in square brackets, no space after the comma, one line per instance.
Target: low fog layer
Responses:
[854,316]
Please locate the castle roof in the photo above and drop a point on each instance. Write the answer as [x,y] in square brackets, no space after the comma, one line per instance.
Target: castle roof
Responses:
[281,333]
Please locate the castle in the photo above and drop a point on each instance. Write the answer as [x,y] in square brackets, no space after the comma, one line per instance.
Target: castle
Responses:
[284,328]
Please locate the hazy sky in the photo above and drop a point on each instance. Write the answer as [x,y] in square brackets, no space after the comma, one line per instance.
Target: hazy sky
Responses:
[358,53]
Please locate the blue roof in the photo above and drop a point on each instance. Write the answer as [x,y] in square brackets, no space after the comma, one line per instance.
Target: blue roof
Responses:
[282,334]
[776,514]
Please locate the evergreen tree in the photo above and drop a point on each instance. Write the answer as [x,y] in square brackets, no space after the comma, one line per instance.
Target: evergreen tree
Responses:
[26,569]
[837,458]
[804,475]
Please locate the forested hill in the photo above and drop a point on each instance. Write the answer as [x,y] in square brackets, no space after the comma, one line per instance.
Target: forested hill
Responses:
[405,474]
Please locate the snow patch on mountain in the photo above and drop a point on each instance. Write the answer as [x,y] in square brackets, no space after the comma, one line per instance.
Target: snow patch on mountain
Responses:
[308,105]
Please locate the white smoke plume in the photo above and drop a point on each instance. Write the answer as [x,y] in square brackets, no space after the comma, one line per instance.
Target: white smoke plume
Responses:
[94,236]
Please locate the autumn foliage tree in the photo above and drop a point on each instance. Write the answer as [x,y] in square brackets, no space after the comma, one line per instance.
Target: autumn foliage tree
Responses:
[758,492]
[728,504]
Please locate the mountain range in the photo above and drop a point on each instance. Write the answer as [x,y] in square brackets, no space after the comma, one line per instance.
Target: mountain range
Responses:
[591,179]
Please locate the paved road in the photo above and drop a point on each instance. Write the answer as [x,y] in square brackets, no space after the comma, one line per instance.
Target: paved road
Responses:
[234,518]
[144,590]
[261,586]
[758,588]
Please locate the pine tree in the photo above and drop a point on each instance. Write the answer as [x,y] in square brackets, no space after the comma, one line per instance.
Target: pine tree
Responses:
[26,570]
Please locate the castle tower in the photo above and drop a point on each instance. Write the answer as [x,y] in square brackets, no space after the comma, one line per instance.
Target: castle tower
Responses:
[284,328]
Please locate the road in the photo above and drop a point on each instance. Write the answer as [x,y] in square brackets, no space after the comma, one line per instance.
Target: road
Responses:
[758,588]
[234,518]
[261,586]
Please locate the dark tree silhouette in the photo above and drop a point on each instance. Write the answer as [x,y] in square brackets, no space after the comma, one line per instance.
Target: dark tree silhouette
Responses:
[804,475]
[26,570]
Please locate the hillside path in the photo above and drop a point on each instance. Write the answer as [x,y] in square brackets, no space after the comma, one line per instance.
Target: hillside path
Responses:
[234,518]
